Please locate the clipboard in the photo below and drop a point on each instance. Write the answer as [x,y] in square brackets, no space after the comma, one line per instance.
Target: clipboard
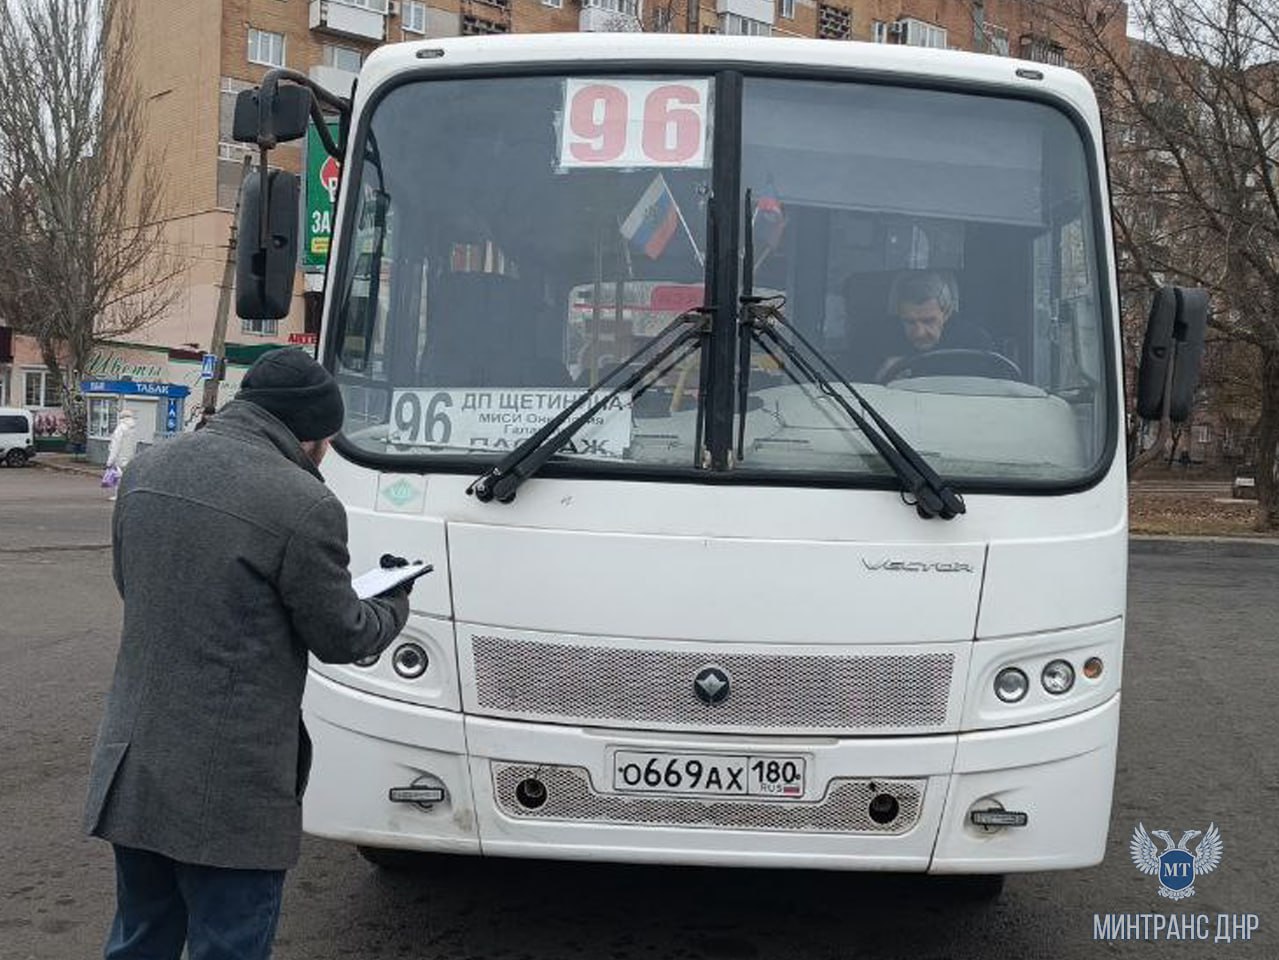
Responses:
[381,579]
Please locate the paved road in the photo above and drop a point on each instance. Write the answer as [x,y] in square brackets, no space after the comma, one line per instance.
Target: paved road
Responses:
[1198,745]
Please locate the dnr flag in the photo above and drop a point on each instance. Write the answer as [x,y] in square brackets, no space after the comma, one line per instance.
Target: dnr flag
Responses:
[653,221]
[769,219]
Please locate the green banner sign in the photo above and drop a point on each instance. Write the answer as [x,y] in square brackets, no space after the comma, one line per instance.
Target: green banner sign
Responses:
[322,173]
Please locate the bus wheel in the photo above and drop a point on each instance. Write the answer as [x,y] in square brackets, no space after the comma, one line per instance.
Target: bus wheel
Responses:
[387,858]
[16,458]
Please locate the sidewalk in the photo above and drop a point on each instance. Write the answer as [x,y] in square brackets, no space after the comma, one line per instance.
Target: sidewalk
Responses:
[67,463]
[1207,547]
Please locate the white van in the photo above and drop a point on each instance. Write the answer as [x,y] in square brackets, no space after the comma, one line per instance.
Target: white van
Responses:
[17,436]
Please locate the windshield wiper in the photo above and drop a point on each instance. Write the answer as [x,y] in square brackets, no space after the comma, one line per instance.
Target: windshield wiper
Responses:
[760,320]
[933,496]
[677,341]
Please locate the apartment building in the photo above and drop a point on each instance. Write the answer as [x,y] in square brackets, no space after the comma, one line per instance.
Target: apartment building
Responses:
[195,56]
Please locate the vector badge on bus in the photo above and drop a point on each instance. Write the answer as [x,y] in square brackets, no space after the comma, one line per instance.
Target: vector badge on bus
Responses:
[712,686]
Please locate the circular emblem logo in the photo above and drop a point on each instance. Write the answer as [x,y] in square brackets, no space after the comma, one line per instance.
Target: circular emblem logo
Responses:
[330,174]
[712,685]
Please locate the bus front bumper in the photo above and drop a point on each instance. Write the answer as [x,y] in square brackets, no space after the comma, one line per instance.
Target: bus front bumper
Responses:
[1059,773]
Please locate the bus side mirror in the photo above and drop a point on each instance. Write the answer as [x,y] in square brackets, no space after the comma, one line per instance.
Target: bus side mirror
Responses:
[1171,353]
[264,270]
[279,117]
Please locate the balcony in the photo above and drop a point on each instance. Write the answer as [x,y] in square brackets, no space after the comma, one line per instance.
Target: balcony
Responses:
[358,19]
[334,79]
[1042,49]
[610,16]
[760,11]
[734,25]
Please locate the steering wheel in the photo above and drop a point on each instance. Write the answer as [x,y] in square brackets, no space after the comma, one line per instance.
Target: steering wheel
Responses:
[955,362]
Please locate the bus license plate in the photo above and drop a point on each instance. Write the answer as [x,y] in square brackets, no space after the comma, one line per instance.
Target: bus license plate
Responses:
[709,775]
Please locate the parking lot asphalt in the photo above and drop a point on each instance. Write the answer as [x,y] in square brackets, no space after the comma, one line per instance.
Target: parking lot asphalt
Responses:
[1198,746]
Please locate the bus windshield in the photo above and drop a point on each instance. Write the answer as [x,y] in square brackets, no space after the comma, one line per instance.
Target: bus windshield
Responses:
[509,240]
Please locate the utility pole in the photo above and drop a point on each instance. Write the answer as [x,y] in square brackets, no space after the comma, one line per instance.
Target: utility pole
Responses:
[217,345]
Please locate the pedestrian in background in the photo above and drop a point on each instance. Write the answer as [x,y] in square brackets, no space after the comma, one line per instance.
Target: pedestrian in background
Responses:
[231,557]
[124,443]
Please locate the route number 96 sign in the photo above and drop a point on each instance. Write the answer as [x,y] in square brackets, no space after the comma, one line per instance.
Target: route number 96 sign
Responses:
[634,123]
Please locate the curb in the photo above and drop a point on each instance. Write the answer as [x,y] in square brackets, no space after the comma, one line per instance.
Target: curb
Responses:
[61,548]
[1206,547]
[65,468]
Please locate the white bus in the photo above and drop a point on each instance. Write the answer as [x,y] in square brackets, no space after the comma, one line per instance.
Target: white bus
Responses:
[759,405]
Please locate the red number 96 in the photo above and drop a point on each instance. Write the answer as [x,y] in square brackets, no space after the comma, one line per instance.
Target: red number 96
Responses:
[671,132]
[598,119]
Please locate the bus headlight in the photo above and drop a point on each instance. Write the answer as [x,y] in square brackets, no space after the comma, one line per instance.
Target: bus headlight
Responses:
[1058,677]
[1011,685]
[410,661]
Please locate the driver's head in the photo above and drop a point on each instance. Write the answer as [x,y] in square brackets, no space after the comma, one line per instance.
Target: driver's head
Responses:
[924,302]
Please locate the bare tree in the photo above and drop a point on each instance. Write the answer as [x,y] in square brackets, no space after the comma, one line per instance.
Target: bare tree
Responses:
[79,202]
[1193,130]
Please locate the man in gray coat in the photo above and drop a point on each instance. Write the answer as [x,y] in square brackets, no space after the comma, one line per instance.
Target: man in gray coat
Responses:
[231,557]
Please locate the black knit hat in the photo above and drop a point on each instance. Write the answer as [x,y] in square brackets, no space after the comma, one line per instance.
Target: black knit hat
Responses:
[297,390]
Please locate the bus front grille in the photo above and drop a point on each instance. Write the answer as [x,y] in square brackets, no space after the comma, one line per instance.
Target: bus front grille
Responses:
[844,809]
[649,686]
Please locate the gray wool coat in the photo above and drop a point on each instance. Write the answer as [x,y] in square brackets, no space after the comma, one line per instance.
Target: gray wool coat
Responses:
[230,555]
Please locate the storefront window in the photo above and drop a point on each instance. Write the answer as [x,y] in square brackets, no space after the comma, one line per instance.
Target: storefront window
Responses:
[103,412]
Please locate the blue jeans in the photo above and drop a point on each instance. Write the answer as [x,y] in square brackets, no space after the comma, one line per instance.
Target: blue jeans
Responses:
[221,914]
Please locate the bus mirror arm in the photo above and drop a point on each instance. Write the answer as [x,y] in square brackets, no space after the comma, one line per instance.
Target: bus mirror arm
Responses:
[271,114]
[267,227]
[1168,371]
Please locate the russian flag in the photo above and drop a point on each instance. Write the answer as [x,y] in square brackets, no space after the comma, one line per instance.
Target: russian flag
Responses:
[653,221]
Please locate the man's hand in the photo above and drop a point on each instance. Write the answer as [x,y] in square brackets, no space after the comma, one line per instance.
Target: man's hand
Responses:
[399,590]
[389,561]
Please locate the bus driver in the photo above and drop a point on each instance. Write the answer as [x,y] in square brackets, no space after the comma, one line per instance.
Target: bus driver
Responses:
[925,304]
